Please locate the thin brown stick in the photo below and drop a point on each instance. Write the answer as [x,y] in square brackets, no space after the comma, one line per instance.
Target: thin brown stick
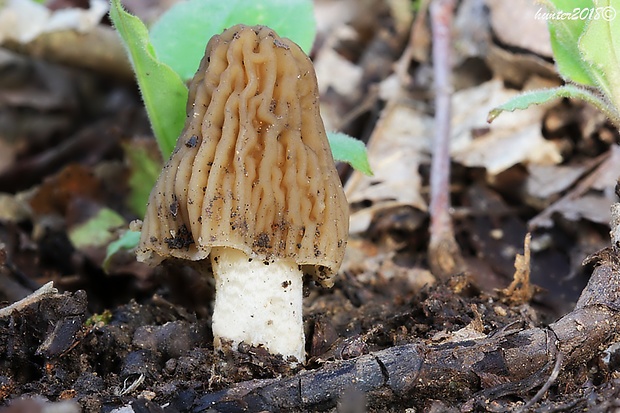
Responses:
[444,255]
[557,368]
[441,16]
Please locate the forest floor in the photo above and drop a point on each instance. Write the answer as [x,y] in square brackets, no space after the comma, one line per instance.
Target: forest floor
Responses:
[389,336]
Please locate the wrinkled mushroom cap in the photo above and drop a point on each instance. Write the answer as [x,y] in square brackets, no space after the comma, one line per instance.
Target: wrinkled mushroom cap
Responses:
[252,169]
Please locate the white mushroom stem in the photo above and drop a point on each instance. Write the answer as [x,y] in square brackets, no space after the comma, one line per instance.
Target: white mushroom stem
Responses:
[258,302]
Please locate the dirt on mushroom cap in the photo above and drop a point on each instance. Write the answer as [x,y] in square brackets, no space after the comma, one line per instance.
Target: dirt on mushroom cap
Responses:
[252,169]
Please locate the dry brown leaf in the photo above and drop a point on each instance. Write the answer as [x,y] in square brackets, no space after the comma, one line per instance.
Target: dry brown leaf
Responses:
[590,199]
[592,207]
[515,24]
[13,208]
[336,72]
[471,28]
[23,21]
[401,142]
[547,181]
[512,139]
[332,14]
[398,145]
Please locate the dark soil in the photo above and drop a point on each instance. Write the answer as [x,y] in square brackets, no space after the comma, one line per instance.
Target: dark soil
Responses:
[59,349]
[156,354]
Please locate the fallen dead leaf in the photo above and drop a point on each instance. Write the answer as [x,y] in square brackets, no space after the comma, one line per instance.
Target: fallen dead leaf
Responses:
[336,72]
[515,138]
[546,181]
[397,147]
[25,20]
[471,28]
[590,199]
[516,25]
[401,143]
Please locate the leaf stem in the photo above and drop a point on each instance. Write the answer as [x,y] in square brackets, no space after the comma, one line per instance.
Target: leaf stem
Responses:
[602,103]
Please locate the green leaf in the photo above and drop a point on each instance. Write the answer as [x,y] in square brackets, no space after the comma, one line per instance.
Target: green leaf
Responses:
[537,97]
[600,46]
[565,32]
[144,170]
[128,241]
[163,91]
[96,231]
[350,150]
[181,34]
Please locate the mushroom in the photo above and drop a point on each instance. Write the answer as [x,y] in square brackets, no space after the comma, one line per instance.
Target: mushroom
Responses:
[251,192]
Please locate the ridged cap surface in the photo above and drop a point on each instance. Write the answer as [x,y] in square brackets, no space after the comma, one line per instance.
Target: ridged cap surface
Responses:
[252,169]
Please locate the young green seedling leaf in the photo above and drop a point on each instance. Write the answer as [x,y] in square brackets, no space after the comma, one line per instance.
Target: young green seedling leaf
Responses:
[350,150]
[144,168]
[538,97]
[180,35]
[96,231]
[565,33]
[600,47]
[163,91]
[99,319]
[128,241]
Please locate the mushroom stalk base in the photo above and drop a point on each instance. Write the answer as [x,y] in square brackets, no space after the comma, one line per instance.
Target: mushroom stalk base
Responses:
[258,302]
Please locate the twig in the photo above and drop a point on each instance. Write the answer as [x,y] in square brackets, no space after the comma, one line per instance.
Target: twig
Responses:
[557,367]
[36,296]
[615,225]
[444,255]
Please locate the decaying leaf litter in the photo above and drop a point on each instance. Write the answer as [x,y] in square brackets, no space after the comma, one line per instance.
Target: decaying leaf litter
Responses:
[387,335]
